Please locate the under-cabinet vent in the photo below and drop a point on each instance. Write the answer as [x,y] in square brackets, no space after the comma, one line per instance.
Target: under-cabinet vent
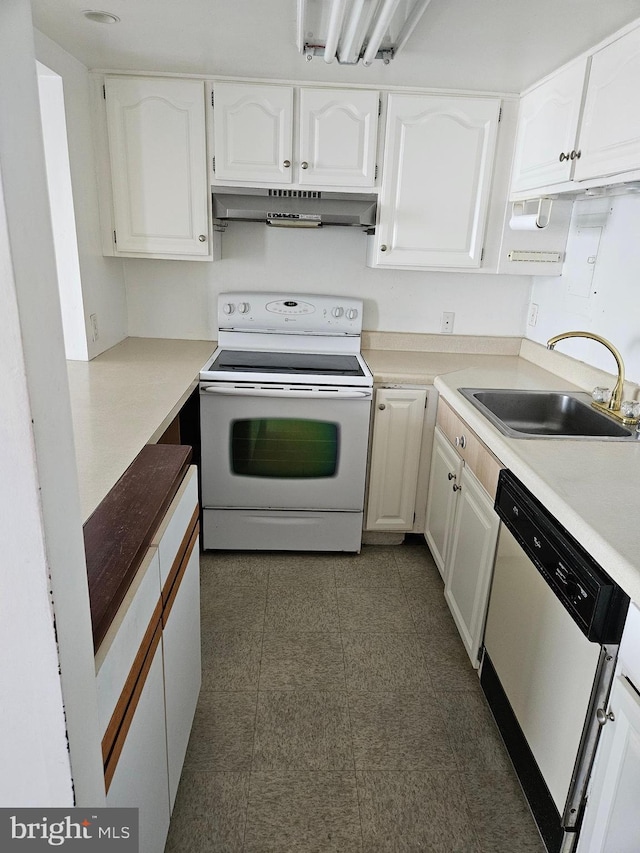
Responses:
[536,257]
[295,194]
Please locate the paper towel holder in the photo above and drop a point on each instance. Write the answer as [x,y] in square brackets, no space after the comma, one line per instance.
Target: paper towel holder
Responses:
[543,215]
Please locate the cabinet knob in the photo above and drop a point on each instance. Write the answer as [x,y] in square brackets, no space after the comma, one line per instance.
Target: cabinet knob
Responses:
[304,165]
[287,164]
[456,487]
[575,155]
[564,157]
[383,248]
[202,238]
[461,441]
[382,406]
[451,476]
[602,717]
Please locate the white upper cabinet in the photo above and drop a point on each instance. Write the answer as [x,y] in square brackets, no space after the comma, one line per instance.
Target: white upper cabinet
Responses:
[570,133]
[157,149]
[610,131]
[547,133]
[252,134]
[439,155]
[338,133]
[259,138]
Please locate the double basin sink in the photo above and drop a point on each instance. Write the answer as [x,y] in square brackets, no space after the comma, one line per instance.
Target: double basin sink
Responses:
[546,414]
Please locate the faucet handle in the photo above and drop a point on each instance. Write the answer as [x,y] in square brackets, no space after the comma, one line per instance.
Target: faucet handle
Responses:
[600,394]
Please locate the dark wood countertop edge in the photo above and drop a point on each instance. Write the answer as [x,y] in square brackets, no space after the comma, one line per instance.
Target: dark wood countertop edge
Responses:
[118,533]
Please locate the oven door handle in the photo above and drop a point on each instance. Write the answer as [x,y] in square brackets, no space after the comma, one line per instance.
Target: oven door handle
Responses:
[304,394]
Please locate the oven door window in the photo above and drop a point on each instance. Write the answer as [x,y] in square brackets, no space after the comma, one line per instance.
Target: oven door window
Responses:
[292,448]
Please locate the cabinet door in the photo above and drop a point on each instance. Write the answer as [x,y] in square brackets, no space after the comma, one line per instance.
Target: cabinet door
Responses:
[140,778]
[446,467]
[157,146]
[253,132]
[473,546]
[439,155]
[338,135]
[182,667]
[612,819]
[395,458]
[547,128]
[610,131]
[119,650]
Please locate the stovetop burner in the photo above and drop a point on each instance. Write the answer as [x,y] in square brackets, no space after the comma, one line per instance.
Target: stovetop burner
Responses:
[294,363]
[287,338]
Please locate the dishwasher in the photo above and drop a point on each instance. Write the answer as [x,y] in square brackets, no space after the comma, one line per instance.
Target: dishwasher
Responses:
[553,628]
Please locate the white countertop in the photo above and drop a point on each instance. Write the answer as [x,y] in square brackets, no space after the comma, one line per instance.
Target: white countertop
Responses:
[591,487]
[124,399]
[421,368]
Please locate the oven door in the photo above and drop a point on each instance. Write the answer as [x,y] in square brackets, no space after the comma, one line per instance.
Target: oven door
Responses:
[284,446]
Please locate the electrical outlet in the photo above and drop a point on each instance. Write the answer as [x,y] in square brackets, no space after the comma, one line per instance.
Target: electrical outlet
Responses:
[446,327]
[533,314]
[93,319]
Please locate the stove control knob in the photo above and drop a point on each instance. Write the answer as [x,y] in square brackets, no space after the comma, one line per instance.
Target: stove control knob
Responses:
[337,311]
[243,307]
[228,308]
[352,313]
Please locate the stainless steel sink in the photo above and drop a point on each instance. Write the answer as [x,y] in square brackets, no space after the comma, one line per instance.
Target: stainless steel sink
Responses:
[546,414]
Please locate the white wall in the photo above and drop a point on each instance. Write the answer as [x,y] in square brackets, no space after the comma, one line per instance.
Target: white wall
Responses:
[45,626]
[103,288]
[63,220]
[609,304]
[178,299]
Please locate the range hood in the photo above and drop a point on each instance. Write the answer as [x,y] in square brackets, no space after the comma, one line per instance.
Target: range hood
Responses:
[294,208]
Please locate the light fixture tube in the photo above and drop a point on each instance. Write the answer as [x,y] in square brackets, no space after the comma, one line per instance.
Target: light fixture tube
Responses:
[382,22]
[349,51]
[336,17]
[409,25]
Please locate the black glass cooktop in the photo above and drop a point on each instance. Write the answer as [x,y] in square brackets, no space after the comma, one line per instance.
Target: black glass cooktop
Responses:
[322,364]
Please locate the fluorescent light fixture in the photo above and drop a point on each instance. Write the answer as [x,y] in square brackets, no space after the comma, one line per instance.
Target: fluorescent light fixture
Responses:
[381,24]
[354,30]
[338,8]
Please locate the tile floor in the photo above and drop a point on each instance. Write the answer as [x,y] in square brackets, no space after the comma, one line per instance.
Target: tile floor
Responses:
[339,712]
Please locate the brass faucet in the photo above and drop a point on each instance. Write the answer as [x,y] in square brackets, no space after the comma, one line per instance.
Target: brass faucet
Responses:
[613,407]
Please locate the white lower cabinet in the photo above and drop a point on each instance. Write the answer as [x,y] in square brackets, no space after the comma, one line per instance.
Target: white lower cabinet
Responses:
[462,525]
[395,458]
[148,672]
[182,668]
[140,777]
[612,818]
[446,466]
[470,565]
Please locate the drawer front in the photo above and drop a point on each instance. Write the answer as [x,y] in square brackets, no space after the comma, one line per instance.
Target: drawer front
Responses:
[476,455]
[118,650]
[169,536]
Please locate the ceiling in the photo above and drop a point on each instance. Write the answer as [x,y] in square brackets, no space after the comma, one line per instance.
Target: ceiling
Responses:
[480,45]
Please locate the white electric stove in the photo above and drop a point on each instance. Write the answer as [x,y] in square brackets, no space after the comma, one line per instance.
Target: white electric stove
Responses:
[285,406]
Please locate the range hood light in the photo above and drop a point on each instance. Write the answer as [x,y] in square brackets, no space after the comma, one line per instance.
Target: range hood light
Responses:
[293,208]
